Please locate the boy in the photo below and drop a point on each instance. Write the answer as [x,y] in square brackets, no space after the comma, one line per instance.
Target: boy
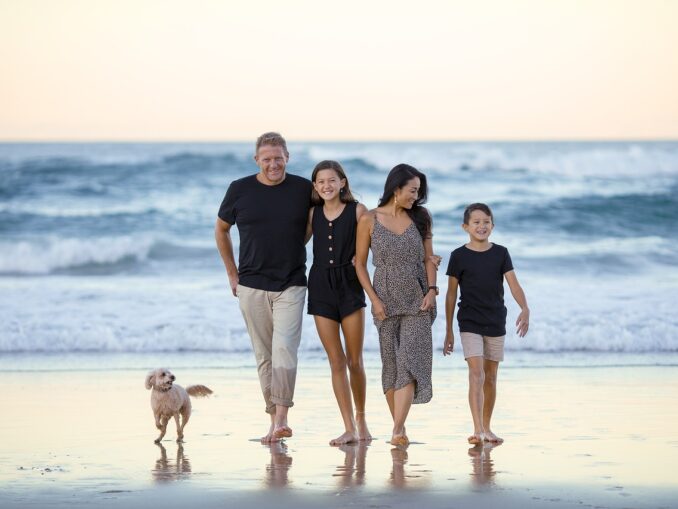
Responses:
[479,269]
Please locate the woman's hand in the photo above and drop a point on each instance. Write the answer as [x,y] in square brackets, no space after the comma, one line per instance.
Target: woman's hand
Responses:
[435,260]
[429,300]
[378,310]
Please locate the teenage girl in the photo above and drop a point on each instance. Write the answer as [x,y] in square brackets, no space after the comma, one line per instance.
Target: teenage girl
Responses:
[335,297]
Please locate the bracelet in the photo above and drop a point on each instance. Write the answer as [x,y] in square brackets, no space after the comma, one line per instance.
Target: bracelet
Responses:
[434,288]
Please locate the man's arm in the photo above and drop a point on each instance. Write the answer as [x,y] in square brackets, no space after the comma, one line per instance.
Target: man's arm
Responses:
[222,234]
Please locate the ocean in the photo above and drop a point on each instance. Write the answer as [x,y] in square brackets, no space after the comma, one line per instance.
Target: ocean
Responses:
[109,247]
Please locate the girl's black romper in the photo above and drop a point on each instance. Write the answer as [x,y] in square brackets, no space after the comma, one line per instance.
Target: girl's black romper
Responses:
[334,291]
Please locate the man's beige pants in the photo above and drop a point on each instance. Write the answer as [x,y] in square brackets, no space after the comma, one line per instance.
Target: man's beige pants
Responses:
[273,322]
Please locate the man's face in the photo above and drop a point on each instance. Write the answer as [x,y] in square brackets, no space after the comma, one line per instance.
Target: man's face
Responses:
[271,160]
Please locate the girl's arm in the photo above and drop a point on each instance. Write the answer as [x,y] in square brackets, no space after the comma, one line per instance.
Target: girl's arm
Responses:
[450,303]
[362,247]
[431,269]
[309,226]
[523,321]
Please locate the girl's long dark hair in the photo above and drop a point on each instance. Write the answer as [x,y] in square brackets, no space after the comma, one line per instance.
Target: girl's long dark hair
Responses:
[345,196]
[400,175]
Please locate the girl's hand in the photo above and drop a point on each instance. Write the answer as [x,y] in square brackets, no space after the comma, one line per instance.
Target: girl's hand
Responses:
[429,300]
[448,346]
[523,322]
[378,310]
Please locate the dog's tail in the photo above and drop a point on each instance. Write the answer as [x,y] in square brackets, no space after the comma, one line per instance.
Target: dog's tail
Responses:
[198,391]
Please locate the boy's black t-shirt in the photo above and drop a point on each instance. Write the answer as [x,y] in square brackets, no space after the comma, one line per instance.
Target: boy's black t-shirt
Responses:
[272,225]
[481,280]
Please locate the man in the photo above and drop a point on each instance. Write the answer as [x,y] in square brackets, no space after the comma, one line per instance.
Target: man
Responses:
[271,211]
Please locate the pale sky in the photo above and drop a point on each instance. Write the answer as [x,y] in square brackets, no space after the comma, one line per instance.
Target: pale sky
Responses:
[340,70]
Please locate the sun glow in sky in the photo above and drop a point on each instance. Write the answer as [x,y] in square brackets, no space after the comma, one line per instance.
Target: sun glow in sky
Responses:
[349,70]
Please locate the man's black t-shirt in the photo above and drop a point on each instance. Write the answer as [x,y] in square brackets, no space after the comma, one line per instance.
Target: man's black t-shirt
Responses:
[272,225]
[481,280]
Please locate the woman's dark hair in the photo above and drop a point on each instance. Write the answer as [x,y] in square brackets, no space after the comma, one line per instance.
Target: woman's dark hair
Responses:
[345,196]
[477,206]
[397,178]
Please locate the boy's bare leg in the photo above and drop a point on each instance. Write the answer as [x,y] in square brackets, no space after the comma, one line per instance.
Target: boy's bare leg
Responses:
[490,394]
[476,380]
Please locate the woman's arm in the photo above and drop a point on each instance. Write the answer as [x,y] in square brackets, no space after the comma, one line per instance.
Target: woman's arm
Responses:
[431,271]
[362,247]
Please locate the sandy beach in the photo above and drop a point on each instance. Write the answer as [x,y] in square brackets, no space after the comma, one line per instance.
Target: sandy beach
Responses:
[78,432]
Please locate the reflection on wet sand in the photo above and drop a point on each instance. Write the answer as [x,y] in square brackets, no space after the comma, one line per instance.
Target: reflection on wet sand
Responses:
[483,467]
[415,476]
[278,468]
[167,470]
[352,472]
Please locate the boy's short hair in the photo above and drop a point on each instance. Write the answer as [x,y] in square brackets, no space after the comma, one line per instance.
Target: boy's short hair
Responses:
[477,206]
[272,138]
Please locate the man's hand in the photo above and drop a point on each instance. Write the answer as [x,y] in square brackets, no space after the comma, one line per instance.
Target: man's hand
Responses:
[233,281]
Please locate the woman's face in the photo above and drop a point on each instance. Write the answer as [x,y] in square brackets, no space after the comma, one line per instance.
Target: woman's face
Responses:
[408,194]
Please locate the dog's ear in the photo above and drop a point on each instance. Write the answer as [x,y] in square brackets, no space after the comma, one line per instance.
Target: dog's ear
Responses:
[149,379]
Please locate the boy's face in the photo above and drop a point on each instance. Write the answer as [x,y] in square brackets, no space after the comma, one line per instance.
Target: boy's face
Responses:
[479,226]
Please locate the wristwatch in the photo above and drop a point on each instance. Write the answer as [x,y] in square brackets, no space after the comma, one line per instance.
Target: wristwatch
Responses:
[434,288]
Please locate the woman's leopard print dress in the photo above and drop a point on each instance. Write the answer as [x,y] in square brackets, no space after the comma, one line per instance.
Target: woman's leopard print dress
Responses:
[405,335]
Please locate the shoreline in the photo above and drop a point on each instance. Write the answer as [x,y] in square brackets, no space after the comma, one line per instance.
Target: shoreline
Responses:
[574,438]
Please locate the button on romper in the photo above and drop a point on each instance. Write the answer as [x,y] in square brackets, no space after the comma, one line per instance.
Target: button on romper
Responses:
[405,336]
[334,291]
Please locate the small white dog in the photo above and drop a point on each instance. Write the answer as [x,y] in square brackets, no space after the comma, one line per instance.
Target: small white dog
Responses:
[169,400]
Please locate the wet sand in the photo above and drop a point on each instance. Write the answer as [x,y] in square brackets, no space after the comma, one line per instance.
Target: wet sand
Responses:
[575,437]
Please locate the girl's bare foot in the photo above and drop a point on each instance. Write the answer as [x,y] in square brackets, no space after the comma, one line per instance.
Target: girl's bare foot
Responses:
[476,438]
[363,433]
[346,438]
[492,438]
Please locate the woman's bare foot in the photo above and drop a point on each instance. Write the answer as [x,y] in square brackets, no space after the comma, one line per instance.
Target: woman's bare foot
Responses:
[492,438]
[283,431]
[360,422]
[476,438]
[346,438]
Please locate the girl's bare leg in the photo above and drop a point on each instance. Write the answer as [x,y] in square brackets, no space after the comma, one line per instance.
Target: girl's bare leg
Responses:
[328,330]
[353,327]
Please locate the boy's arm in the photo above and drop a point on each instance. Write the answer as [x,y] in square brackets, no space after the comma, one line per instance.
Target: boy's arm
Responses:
[523,321]
[450,303]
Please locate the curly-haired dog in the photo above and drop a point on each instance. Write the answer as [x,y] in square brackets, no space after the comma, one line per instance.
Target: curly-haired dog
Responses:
[169,400]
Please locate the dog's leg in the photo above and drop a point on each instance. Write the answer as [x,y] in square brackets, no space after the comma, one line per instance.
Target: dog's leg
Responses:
[185,414]
[180,429]
[163,428]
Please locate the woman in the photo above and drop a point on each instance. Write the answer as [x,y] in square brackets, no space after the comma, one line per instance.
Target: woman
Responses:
[404,291]
[335,297]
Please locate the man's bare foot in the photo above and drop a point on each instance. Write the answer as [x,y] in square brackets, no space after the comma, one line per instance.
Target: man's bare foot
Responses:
[492,438]
[400,440]
[360,422]
[346,438]
[269,437]
[476,438]
[283,431]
